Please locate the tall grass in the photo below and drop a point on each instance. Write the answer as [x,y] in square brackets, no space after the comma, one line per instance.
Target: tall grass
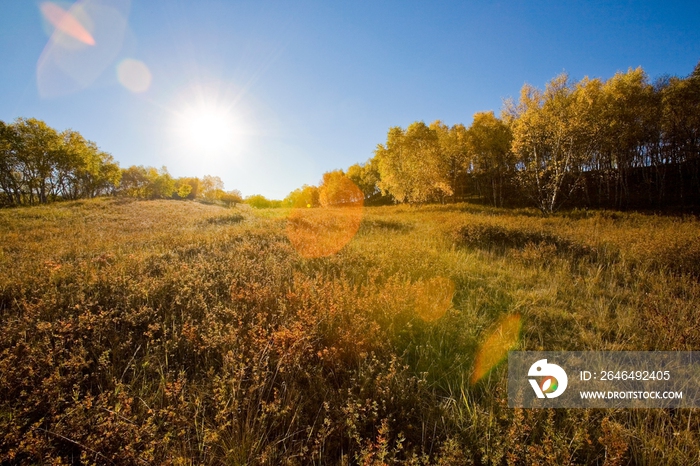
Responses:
[179,333]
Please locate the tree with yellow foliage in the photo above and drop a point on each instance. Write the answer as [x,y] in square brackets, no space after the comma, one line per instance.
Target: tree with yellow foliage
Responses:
[338,190]
[553,137]
[488,142]
[412,167]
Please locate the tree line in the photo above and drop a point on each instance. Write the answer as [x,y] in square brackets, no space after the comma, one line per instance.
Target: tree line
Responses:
[151,183]
[624,142]
[39,164]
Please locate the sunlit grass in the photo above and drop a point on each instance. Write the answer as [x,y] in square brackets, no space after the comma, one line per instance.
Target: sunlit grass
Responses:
[177,332]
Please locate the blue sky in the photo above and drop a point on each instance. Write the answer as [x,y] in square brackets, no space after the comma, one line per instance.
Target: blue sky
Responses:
[303,87]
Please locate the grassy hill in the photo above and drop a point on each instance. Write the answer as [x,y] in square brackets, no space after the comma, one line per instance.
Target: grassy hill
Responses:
[167,332]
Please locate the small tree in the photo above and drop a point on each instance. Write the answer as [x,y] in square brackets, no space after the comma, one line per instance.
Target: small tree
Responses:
[338,190]
[231,198]
[184,191]
[134,181]
[306,196]
[258,201]
[211,187]
[160,184]
[194,183]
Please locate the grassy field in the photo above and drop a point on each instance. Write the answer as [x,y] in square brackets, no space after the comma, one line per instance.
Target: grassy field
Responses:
[168,332]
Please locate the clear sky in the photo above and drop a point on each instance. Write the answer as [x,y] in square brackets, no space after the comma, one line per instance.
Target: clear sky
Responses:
[268,95]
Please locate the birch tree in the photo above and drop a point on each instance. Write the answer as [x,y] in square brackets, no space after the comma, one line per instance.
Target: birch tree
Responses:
[552,140]
[488,142]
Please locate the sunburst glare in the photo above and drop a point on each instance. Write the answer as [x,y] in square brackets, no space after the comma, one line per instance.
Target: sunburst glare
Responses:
[207,128]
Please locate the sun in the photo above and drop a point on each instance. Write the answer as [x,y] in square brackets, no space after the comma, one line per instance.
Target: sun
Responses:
[207,128]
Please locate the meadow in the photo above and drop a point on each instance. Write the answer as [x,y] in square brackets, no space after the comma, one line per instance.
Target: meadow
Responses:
[174,332]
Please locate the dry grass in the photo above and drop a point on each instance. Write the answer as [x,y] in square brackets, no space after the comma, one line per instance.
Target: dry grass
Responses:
[178,333]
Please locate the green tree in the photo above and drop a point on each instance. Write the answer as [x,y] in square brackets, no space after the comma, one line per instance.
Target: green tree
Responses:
[147,182]
[160,184]
[38,164]
[134,181]
[83,169]
[38,152]
[10,177]
[108,176]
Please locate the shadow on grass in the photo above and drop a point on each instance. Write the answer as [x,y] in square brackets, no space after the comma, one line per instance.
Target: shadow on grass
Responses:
[500,240]
[385,225]
[225,220]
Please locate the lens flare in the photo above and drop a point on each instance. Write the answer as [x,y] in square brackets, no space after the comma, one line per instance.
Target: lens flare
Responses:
[433,297]
[325,231]
[504,337]
[86,40]
[65,22]
[134,75]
